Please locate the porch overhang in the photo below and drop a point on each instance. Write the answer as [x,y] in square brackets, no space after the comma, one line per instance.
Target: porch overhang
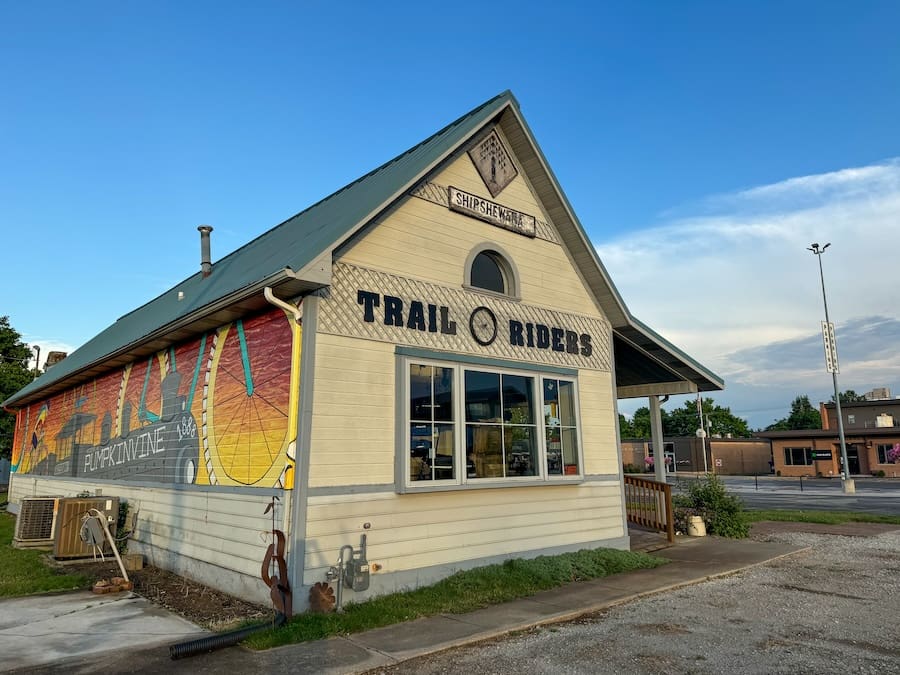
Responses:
[648,365]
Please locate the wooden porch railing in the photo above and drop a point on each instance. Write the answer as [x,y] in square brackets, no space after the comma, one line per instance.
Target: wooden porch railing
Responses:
[649,504]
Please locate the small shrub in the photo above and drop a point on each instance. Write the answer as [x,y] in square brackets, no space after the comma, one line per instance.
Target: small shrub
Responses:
[880,473]
[723,513]
[778,473]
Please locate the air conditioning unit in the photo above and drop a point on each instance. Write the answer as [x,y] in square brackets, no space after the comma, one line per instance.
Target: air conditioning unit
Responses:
[36,522]
[71,516]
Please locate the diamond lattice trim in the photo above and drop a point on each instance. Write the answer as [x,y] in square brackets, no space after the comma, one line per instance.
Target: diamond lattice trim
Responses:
[342,314]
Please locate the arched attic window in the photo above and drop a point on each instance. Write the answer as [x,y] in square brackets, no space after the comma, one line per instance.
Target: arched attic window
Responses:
[490,269]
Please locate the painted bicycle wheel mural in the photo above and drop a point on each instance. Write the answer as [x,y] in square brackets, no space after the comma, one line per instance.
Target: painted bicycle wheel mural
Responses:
[248,404]
[219,409]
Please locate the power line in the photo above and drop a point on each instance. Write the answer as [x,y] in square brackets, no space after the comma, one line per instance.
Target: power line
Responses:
[24,359]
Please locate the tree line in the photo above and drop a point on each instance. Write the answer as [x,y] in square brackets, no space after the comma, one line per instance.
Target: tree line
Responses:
[720,421]
[804,416]
[14,374]
[684,421]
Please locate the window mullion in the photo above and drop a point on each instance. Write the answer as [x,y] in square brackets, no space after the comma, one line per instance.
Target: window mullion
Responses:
[459,423]
[540,426]
[432,451]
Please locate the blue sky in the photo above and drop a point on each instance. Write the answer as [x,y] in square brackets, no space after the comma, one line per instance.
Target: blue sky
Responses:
[703,146]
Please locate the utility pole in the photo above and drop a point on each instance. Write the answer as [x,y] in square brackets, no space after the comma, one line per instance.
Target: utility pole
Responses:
[701,432]
[831,364]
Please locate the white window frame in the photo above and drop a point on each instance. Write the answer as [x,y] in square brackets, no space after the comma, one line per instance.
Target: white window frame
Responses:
[461,481]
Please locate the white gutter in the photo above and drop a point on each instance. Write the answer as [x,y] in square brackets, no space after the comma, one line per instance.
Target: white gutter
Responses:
[286,306]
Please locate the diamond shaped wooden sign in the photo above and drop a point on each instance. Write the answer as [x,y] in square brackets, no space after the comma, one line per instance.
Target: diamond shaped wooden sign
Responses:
[494,163]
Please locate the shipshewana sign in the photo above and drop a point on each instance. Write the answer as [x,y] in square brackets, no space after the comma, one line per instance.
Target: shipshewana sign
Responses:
[491,212]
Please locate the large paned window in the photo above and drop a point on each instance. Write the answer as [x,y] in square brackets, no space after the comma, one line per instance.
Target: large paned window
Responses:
[798,456]
[501,432]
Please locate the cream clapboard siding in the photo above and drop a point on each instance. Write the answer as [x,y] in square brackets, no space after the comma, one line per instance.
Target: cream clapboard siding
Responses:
[413,531]
[214,537]
[352,441]
[598,420]
[353,412]
[422,240]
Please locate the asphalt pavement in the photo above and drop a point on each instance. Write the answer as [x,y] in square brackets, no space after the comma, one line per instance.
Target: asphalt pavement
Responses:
[873,495]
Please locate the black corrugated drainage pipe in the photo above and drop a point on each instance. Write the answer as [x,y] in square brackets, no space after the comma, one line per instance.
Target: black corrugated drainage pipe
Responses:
[213,642]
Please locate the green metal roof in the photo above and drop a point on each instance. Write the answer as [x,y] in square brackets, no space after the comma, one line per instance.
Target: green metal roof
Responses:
[295,257]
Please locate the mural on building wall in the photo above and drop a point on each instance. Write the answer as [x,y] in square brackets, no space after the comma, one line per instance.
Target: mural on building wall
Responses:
[217,410]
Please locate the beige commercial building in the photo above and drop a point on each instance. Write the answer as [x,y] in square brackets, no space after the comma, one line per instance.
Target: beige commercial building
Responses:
[430,357]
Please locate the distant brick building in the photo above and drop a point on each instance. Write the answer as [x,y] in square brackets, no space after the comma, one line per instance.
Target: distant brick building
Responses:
[871,429]
[726,456]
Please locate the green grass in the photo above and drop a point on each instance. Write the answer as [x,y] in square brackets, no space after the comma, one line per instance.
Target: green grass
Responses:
[462,592]
[23,572]
[825,517]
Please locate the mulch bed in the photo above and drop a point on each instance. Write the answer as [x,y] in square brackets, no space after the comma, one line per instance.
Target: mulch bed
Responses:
[200,604]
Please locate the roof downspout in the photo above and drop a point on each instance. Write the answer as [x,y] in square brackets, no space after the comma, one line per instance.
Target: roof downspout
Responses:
[294,515]
[286,306]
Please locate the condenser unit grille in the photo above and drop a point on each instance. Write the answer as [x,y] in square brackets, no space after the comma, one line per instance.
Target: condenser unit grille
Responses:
[36,521]
[72,511]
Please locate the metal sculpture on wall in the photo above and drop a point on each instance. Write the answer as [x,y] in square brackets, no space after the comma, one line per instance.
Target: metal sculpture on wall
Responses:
[215,410]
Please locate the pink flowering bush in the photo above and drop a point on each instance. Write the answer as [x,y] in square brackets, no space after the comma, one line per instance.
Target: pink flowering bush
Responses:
[893,455]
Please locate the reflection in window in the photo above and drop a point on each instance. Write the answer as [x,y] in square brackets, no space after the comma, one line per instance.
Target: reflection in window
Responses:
[487,273]
[499,434]
[798,456]
[431,438]
[561,427]
[500,429]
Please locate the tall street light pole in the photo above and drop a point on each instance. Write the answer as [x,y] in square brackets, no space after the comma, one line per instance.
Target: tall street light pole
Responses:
[831,363]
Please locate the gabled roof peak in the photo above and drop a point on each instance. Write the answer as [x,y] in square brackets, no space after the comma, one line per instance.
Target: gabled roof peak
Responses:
[290,256]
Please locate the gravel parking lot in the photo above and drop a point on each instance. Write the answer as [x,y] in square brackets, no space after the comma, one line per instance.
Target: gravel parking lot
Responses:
[832,609]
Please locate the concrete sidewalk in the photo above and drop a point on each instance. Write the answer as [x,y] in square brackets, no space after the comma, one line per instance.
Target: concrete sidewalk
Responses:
[39,631]
[693,560]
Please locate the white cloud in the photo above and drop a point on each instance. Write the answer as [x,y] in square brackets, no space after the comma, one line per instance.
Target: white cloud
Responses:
[721,284]
[843,184]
